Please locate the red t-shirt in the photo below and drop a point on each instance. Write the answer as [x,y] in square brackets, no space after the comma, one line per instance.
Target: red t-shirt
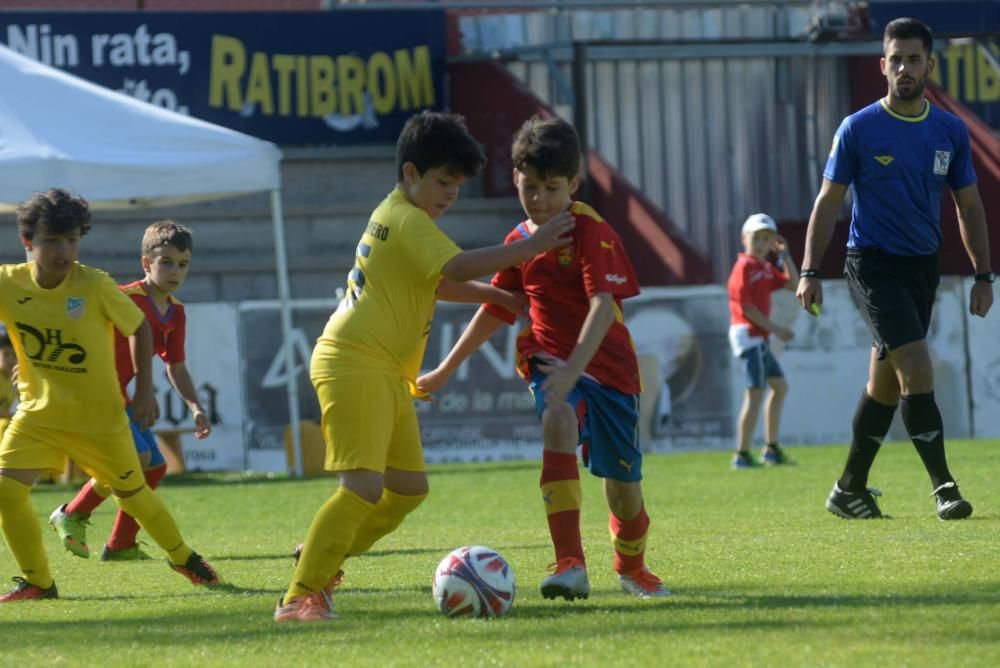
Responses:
[168,333]
[559,284]
[751,282]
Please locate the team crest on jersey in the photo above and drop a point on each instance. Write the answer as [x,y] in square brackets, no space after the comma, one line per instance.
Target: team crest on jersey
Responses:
[566,256]
[942,160]
[74,307]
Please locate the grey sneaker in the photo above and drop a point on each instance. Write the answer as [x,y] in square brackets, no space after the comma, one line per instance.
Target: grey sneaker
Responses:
[950,504]
[72,530]
[851,506]
[568,579]
[643,584]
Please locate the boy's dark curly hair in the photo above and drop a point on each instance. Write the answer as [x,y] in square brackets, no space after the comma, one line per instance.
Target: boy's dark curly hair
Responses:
[59,211]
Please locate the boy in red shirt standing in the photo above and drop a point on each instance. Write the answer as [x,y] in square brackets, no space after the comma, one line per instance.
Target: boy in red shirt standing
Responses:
[577,358]
[751,283]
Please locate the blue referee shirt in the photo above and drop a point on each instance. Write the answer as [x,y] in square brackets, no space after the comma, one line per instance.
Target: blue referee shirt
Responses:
[896,167]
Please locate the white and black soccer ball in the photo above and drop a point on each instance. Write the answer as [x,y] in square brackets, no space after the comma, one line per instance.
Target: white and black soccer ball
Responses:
[474,581]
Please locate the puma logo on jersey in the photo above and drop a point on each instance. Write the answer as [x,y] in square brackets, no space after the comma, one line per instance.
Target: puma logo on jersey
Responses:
[610,245]
[884,160]
[615,278]
[24,300]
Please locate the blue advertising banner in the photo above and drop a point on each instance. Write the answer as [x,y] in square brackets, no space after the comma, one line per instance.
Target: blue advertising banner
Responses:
[288,77]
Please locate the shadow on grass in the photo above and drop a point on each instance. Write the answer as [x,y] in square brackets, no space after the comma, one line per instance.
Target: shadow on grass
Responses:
[986,593]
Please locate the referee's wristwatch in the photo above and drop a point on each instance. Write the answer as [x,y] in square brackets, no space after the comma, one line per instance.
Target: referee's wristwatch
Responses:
[986,277]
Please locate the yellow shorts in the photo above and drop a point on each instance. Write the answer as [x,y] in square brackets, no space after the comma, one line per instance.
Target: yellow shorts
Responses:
[369,422]
[109,457]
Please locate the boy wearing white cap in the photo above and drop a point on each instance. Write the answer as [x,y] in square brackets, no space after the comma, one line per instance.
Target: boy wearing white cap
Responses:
[751,283]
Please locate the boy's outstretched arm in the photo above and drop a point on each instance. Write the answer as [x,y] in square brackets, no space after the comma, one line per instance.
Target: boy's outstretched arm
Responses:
[757,317]
[595,327]
[477,292]
[471,264]
[181,380]
[144,407]
[476,334]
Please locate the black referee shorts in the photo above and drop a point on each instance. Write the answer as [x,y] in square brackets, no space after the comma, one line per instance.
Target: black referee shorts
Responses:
[893,293]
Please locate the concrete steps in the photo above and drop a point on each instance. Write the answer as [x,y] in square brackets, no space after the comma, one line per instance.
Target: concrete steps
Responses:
[328,195]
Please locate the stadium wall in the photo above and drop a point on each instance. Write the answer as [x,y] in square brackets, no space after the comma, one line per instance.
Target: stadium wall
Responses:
[693,387]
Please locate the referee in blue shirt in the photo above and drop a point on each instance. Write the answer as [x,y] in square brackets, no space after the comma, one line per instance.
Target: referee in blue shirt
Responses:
[896,155]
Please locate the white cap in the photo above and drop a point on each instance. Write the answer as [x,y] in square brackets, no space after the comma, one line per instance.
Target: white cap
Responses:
[757,222]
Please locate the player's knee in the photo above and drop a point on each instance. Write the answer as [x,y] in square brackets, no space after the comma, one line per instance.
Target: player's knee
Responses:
[779,386]
[12,492]
[560,430]
[127,493]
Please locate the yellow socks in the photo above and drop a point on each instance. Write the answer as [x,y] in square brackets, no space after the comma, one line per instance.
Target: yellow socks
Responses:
[147,508]
[388,514]
[22,532]
[330,536]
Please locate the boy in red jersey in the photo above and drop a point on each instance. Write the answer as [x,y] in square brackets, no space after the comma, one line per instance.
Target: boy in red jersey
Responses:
[62,314]
[166,257]
[751,283]
[578,359]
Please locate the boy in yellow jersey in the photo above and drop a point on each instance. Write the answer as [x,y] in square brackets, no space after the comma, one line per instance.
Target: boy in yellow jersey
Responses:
[577,358]
[8,360]
[61,316]
[366,362]
[166,256]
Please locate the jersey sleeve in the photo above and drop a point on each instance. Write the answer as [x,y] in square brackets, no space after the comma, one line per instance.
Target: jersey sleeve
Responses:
[603,263]
[505,279]
[841,166]
[173,353]
[119,307]
[961,173]
[427,247]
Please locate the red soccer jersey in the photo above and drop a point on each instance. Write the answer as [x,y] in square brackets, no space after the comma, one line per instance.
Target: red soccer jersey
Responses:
[559,284]
[751,282]
[168,333]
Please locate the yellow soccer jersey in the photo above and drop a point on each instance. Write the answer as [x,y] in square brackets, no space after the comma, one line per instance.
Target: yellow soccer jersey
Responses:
[7,397]
[65,347]
[384,319]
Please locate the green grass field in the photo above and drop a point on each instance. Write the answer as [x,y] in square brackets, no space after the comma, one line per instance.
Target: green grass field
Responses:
[761,573]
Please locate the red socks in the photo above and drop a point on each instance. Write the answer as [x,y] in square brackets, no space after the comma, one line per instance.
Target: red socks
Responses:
[86,500]
[560,484]
[629,540]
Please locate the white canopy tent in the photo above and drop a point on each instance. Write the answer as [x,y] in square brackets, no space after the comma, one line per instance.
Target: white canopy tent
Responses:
[57,130]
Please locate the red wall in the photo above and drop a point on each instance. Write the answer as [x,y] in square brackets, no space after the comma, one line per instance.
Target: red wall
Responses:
[495,105]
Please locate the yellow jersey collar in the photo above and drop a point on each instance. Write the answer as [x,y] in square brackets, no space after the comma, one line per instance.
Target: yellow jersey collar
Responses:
[909,119]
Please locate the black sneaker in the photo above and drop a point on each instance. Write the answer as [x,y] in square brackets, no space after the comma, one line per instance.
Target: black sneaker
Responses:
[851,506]
[950,504]
[197,570]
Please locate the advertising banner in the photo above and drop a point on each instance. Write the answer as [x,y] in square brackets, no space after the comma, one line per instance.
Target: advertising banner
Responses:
[288,77]
[826,365]
[486,412]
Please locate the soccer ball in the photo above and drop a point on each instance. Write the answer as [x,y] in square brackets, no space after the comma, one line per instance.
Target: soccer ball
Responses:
[474,581]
